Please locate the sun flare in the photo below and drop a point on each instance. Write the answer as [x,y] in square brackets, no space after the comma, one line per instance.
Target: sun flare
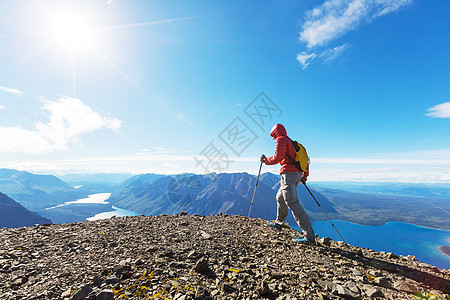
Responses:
[72,30]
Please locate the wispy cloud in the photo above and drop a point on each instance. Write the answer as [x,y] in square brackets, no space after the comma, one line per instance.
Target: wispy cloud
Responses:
[334,18]
[332,54]
[11,91]
[68,119]
[2,107]
[304,59]
[439,111]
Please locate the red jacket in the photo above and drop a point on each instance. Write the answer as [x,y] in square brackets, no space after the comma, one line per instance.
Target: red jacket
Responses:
[283,147]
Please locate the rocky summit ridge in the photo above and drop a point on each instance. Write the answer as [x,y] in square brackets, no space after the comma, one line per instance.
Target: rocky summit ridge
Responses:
[200,257]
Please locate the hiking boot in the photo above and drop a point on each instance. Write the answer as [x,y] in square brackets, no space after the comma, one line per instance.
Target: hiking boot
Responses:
[304,240]
[274,225]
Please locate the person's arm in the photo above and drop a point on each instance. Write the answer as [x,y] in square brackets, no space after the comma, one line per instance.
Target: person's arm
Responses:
[280,153]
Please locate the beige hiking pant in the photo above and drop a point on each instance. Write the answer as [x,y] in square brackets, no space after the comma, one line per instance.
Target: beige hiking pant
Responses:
[287,198]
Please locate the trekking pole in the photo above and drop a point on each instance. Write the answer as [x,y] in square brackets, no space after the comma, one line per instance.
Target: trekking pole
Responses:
[254,192]
[324,212]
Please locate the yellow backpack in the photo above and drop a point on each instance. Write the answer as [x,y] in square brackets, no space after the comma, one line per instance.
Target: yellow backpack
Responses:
[301,159]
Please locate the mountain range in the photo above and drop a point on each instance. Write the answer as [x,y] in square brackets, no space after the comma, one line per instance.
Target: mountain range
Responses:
[232,193]
[12,214]
[207,194]
[153,194]
[36,192]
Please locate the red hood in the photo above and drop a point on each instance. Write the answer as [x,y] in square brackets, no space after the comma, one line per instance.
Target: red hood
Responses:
[277,131]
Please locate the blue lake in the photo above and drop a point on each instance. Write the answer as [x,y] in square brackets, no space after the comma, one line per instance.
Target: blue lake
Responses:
[398,238]
[118,212]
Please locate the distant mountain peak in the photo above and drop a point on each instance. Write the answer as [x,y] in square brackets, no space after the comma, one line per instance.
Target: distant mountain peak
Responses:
[12,214]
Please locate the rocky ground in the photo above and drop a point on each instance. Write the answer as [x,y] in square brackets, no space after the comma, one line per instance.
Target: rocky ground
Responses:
[200,257]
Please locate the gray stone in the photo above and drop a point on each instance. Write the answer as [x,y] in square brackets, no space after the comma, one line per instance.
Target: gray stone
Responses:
[263,288]
[82,293]
[97,280]
[326,285]
[202,294]
[360,253]
[392,255]
[353,287]
[179,296]
[342,291]
[374,293]
[112,279]
[66,293]
[357,272]
[202,266]
[406,287]
[326,241]
[18,280]
[206,235]
[105,294]
[192,254]
[382,281]
[215,293]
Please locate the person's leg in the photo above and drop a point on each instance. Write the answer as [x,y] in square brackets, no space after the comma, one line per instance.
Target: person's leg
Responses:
[290,197]
[282,209]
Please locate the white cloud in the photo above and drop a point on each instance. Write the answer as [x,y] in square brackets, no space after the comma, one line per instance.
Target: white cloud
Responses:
[335,18]
[439,111]
[2,107]
[12,91]
[304,59]
[327,56]
[332,54]
[68,118]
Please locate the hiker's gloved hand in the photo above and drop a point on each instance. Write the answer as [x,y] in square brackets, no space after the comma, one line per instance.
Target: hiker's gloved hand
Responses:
[263,158]
[303,180]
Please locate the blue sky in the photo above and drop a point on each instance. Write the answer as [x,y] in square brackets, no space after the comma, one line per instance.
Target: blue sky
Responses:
[156,86]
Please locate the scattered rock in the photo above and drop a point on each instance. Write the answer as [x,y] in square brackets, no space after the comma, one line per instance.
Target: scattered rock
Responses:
[185,257]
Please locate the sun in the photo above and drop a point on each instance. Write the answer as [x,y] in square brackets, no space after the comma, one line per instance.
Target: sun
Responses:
[72,30]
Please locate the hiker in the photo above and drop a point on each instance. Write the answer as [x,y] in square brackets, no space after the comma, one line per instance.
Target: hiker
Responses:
[290,177]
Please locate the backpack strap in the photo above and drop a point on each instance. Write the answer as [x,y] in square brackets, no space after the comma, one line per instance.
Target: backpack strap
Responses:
[289,157]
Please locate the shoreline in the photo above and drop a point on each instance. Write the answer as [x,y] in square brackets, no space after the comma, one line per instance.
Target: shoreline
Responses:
[383,223]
